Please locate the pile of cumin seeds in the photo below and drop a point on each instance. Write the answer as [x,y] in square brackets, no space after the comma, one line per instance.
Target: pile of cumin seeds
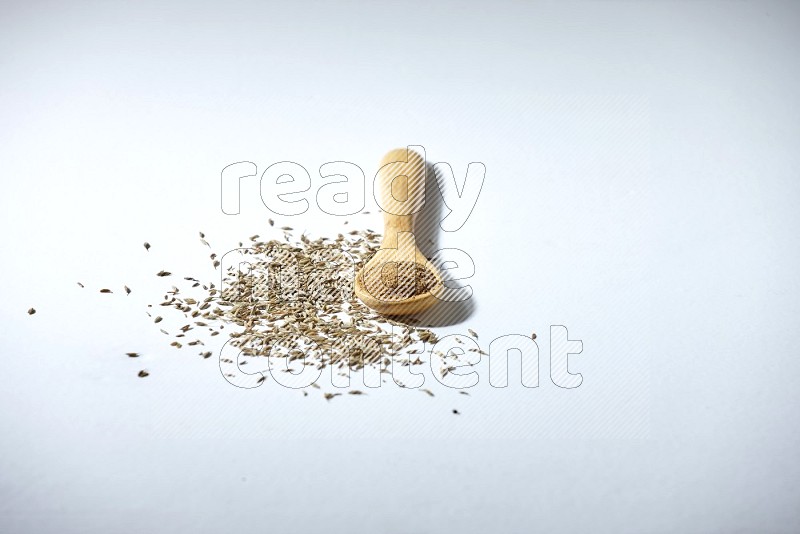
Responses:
[394,281]
[295,302]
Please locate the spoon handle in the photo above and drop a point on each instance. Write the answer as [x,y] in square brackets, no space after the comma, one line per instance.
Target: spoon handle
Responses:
[402,190]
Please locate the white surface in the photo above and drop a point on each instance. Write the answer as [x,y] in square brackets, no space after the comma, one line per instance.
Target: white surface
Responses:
[642,179]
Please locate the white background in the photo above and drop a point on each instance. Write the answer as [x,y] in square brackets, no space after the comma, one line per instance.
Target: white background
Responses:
[641,188]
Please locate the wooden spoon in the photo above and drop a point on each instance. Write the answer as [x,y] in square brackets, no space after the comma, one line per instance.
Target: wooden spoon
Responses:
[399,280]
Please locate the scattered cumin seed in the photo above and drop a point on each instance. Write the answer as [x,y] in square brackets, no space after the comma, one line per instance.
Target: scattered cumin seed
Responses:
[472,333]
[106,291]
[312,304]
[132,354]
[143,373]
[456,412]
[127,290]
[146,245]
[81,285]
[429,392]
[163,273]
[31,311]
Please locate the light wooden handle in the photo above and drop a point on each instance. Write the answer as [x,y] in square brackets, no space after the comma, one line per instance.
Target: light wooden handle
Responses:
[402,190]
